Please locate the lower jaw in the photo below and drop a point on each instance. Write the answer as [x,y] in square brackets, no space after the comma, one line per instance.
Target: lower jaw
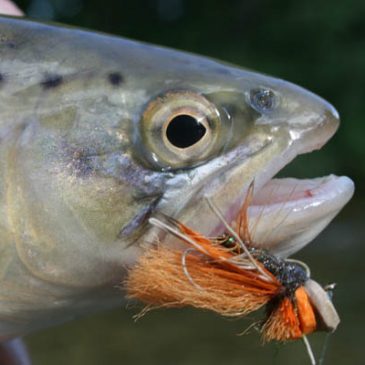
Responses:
[286,214]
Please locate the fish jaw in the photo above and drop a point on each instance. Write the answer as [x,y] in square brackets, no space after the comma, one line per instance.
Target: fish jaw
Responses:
[305,209]
[284,226]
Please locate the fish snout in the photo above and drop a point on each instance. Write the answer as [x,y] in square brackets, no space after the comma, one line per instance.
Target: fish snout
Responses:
[310,120]
[319,126]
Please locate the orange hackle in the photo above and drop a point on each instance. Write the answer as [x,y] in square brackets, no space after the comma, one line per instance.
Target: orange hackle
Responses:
[283,323]
[290,319]
[228,281]
[207,279]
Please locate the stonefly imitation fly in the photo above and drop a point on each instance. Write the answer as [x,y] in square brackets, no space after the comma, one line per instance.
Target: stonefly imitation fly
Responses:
[228,275]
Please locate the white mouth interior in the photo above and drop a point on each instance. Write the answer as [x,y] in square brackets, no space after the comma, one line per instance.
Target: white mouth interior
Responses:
[286,214]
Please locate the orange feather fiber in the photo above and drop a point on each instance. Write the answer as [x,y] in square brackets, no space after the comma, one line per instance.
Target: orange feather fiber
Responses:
[204,278]
[283,323]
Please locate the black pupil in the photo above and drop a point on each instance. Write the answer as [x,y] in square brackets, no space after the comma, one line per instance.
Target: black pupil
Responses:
[184,131]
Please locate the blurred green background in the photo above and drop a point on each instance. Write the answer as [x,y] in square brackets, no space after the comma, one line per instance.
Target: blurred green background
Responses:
[317,44]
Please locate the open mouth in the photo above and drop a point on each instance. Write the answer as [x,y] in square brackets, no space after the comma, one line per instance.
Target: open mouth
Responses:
[287,213]
[284,215]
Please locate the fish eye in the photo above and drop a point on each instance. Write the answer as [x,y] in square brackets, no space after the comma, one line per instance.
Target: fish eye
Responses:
[184,131]
[263,100]
[180,128]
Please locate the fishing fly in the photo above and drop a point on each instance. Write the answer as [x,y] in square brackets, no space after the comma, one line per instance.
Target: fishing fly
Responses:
[228,275]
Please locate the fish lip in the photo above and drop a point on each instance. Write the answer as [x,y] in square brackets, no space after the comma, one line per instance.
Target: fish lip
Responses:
[294,218]
[285,222]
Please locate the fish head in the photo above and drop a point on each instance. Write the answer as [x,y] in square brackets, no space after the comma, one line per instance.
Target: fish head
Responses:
[100,133]
[231,127]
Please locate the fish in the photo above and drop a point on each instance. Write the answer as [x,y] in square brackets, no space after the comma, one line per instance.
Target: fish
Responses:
[100,133]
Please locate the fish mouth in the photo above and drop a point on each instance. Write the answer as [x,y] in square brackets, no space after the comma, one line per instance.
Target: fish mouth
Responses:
[288,213]
[285,214]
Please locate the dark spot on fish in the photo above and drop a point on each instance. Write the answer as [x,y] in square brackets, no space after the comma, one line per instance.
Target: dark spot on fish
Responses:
[82,163]
[7,41]
[1,78]
[115,78]
[10,45]
[79,161]
[52,81]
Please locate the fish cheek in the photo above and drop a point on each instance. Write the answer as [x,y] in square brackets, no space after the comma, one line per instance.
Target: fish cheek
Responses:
[111,195]
[63,214]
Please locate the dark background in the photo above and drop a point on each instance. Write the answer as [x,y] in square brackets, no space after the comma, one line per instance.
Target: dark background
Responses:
[317,44]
